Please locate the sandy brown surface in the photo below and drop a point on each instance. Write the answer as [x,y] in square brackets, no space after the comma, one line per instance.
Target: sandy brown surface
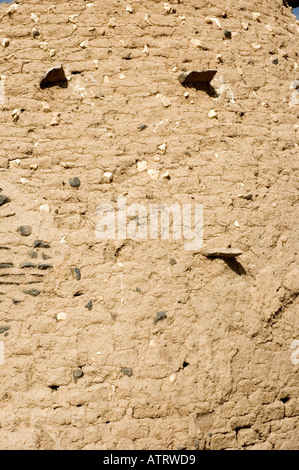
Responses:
[221,370]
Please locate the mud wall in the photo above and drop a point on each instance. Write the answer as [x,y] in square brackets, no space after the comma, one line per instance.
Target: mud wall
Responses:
[84,362]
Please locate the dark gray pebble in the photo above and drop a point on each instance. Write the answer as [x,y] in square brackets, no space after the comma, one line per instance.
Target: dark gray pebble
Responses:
[77,272]
[43,267]
[3,199]
[3,329]
[160,316]
[25,230]
[41,244]
[74,182]
[127,371]
[6,265]
[32,292]
[77,374]
[89,305]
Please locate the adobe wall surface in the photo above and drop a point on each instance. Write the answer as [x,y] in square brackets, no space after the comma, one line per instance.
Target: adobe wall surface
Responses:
[221,370]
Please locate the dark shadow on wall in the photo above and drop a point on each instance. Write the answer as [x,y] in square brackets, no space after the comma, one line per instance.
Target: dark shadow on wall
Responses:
[233,264]
[206,87]
[291,3]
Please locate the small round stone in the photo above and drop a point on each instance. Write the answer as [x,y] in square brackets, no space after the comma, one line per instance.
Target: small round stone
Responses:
[25,230]
[77,374]
[127,371]
[74,182]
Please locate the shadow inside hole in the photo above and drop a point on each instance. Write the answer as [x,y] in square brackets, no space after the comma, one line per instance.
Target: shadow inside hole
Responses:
[203,86]
[237,267]
[59,83]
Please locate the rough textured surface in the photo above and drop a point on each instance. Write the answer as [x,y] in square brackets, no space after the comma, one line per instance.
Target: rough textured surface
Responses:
[220,370]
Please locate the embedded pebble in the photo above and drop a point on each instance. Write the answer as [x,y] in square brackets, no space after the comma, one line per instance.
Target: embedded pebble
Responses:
[76,273]
[24,180]
[25,230]
[3,329]
[41,244]
[166,176]
[55,119]
[46,107]
[5,42]
[35,33]
[12,9]
[27,264]
[73,18]
[222,253]
[16,114]
[160,316]
[211,20]
[127,371]
[77,374]
[43,267]
[34,17]
[6,265]
[44,207]
[164,100]
[197,43]
[61,316]
[227,34]
[74,182]
[88,305]
[108,176]
[3,199]
[112,23]
[173,377]
[84,44]
[212,114]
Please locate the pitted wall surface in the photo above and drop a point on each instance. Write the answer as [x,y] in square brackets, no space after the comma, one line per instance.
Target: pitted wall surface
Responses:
[83,363]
